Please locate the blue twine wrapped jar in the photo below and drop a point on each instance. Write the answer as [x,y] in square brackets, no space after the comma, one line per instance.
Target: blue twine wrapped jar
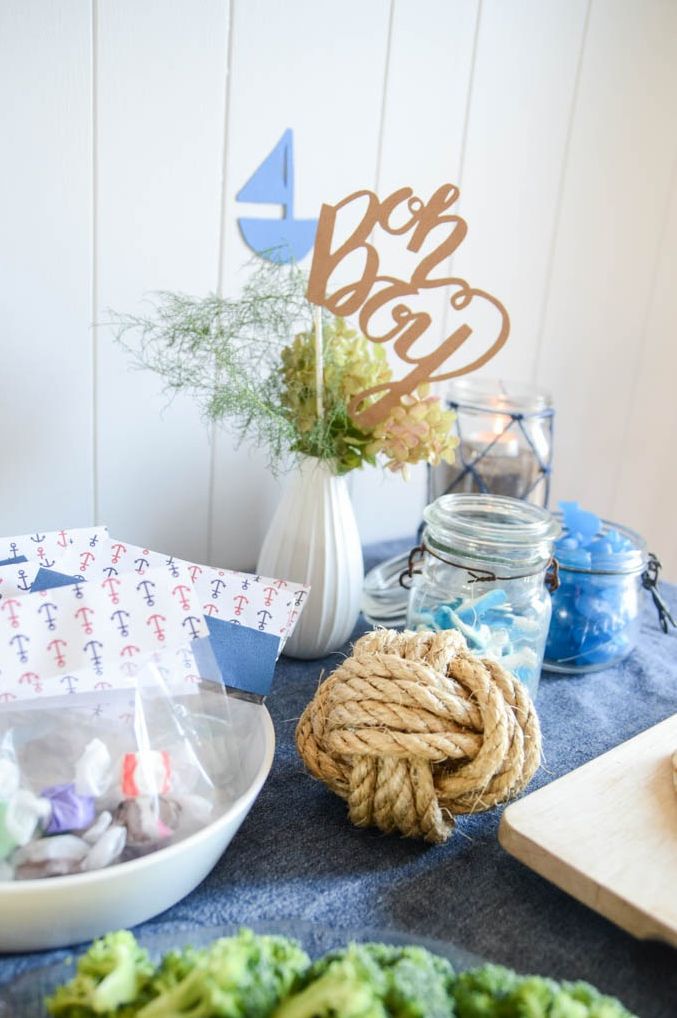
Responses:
[596,611]
[481,569]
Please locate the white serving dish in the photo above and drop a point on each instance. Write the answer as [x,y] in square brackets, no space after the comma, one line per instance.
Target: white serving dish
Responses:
[60,911]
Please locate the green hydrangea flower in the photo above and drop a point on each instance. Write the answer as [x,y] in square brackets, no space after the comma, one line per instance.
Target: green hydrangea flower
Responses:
[351,365]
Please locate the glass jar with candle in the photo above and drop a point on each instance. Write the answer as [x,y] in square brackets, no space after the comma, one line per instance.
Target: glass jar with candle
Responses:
[481,568]
[505,441]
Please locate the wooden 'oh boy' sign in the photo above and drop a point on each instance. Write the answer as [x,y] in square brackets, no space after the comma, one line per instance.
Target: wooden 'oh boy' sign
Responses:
[373,294]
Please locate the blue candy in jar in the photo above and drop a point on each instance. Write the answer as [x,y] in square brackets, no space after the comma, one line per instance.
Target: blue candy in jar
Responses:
[596,609]
[482,569]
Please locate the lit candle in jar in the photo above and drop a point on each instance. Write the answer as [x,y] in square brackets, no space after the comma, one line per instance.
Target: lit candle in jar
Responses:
[505,441]
[495,455]
[497,443]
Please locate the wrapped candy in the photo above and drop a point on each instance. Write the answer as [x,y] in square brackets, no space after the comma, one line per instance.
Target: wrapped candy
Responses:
[148,820]
[19,818]
[99,827]
[66,847]
[93,772]
[70,811]
[48,868]
[9,778]
[146,773]
[106,850]
[68,853]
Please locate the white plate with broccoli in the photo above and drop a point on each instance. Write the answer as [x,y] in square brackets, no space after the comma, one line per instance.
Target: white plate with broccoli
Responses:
[290,970]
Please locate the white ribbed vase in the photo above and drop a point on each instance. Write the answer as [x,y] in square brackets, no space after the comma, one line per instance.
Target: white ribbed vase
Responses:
[313,539]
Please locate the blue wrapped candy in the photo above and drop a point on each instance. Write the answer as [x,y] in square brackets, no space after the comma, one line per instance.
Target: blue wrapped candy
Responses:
[596,610]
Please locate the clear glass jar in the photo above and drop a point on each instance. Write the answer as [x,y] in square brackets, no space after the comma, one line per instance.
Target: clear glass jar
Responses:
[596,611]
[505,441]
[481,569]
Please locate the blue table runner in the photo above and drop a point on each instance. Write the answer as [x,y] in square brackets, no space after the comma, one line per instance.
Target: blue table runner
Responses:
[296,855]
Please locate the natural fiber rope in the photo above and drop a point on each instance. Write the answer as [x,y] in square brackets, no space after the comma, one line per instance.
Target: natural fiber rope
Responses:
[413,729]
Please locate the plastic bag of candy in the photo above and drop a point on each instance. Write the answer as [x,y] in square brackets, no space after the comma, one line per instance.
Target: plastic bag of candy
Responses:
[115,731]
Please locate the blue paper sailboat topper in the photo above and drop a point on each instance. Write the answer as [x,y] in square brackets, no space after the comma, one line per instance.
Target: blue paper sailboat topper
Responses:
[277,240]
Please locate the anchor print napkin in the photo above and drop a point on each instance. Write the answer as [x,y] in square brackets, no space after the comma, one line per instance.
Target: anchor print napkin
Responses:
[48,547]
[249,617]
[257,602]
[89,637]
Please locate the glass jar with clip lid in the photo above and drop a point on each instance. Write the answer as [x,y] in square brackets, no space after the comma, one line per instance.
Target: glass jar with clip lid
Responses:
[597,611]
[485,568]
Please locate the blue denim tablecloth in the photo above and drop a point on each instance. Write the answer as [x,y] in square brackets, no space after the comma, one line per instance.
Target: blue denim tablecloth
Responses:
[296,856]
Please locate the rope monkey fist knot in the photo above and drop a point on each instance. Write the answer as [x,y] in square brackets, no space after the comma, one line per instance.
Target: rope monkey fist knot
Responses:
[414,729]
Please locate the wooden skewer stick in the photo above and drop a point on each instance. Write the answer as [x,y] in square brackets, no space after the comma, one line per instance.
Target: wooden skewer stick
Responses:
[319,362]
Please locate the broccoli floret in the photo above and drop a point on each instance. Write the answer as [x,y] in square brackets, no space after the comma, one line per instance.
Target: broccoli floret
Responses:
[244,976]
[376,980]
[113,972]
[496,992]
[174,967]
[348,983]
[477,992]
[420,983]
[583,994]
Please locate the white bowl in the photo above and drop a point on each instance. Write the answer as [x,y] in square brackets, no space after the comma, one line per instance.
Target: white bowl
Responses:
[60,911]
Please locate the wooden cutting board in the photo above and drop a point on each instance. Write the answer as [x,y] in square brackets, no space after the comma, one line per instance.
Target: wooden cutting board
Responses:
[607,833]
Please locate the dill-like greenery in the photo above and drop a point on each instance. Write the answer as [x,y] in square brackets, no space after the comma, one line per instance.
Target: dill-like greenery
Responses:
[251,361]
[226,354]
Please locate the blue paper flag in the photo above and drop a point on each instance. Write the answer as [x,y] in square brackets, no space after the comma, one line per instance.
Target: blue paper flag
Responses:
[48,579]
[272,183]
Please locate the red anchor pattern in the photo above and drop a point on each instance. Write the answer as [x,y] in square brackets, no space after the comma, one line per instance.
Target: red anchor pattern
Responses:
[58,646]
[10,606]
[155,622]
[33,680]
[86,558]
[118,549]
[84,614]
[110,584]
[180,591]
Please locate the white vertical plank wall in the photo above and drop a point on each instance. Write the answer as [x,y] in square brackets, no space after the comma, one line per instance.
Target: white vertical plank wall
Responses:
[46,405]
[159,159]
[520,107]
[614,201]
[645,483]
[128,127]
